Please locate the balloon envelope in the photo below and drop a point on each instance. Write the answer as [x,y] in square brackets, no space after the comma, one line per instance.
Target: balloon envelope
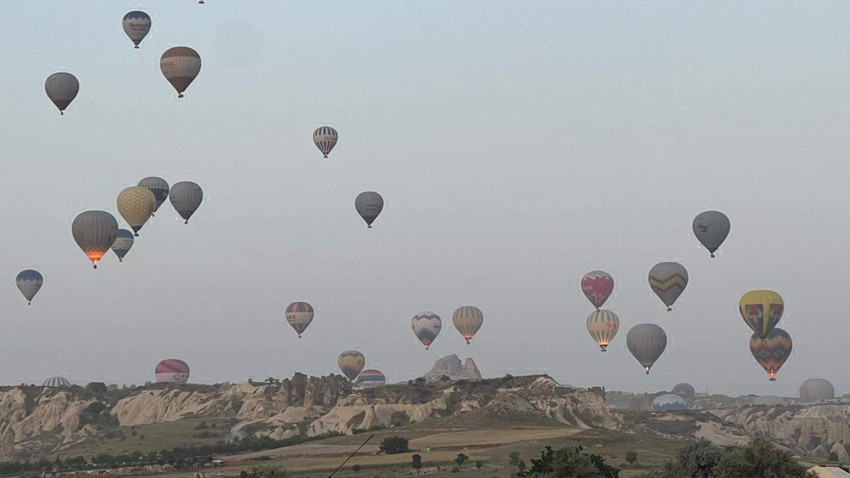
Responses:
[186,198]
[668,280]
[172,371]
[123,243]
[136,205]
[29,282]
[426,326]
[816,389]
[299,315]
[761,310]
[371,378]
[597,287]
[646,342]
[369,205]
[351,362]
[136,25]
[325,139]
[467,320]
[94,232]
[603,326]
[159,188]
[711,229]
[180,66]
[772,351]
[62,88]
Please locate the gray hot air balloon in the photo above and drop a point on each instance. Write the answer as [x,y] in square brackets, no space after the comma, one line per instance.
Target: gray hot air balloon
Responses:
[29,282]
[62,88]
[646,342]
[711,229]
[123,243]
[668,280]
[186,197]
[369,204]
[159,188]
[95,232]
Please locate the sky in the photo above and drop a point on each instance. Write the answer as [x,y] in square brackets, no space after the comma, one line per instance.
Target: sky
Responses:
[517,145]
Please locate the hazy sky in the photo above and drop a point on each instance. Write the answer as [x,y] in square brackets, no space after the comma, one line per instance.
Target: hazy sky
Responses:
[517,145]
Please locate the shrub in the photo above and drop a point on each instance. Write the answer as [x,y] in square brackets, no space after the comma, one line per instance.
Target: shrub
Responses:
[356,468]
[417,461]
[479,464]
[393,445]
[631,457]
[461,459]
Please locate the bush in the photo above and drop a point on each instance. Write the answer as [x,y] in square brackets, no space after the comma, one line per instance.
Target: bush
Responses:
[455,469]
[631,457]
[356,468]
[393,445]
[267,472]
[461,459]
[479,464]
[417,461]
[569,462]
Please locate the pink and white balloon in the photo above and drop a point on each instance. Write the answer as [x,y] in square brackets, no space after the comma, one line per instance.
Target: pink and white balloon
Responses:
[597,287]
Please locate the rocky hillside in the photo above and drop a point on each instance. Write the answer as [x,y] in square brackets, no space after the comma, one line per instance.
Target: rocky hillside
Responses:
[36,421]
[451,367]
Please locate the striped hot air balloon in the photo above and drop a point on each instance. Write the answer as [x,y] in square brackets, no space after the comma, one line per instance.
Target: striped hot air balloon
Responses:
[95,232]
[426,326]
[123,243]
[325,139]
[772,351]
[62,88]
[136,205]
[603,326]
[371,378]
[351,362]
[186,198]
[172,371]
[468,319]
[180,66]
[597,287]
[56,382]
[668,280]
[29,282]
[299,315]
[761,310]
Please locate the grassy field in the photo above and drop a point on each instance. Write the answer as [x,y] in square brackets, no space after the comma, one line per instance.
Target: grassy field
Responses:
[492,446]
[146,438]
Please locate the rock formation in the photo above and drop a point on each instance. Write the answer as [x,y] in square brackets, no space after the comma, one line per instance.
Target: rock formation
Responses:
[450,366]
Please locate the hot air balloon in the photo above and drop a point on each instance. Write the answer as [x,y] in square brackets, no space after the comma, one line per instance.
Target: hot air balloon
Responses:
[180,66]
[468,320]
[299,315]
[136,204]
[351,362]
[62,88]
[816,389]
[186,198]
[772,351]
[95,232]
[29,282]
[684,389]
[371,378]
[711,228]
[603,326]
[123,243]
[646,342]
[172,371]
[325,138]
[136,25]
[667,402]
[668,280]
[753,305]
[369,204]
[597,287]
[426,326]
[159,188]
[56,382]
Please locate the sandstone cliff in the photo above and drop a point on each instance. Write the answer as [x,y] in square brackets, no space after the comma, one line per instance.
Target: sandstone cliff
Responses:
[450,366]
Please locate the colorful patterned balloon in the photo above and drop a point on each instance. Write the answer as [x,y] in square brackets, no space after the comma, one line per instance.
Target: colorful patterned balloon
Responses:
[299,315]
[761,310]
[603,326]
[597,287]
[668,280]
[426,326]
[772,351]
[172,371]
[467,320]
[351,362]
[29,282]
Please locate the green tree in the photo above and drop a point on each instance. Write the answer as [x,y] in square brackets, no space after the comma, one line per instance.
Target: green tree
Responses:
[461,459]
[97,388]
[393,445]
[417,462]
[759,457]
[479,464]
[514,459]
[266,472]
[569,462]
[356,468]
[631,457]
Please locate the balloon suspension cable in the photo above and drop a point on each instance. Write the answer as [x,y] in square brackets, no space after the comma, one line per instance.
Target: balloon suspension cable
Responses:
[349,456]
